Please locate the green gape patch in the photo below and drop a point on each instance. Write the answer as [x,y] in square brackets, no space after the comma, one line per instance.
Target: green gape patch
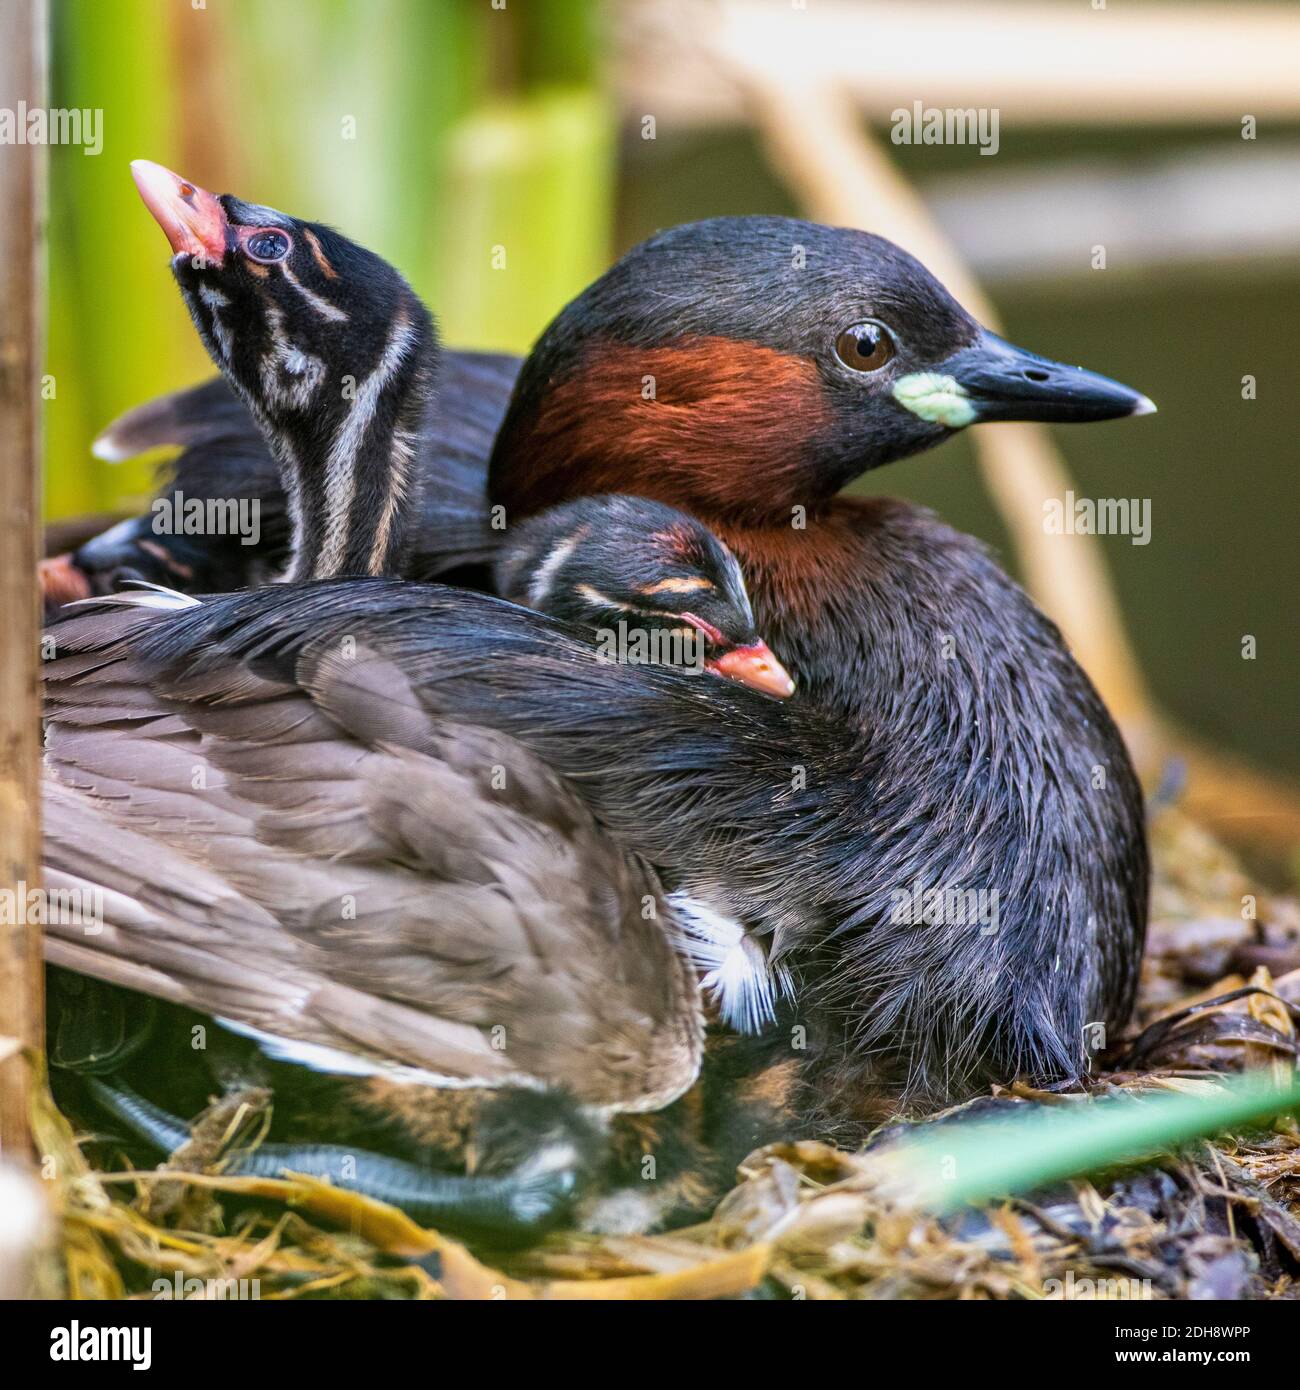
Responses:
[935,397]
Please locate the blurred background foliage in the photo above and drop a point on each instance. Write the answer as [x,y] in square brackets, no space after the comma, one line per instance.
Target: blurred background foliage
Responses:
[433,131]
[437,130]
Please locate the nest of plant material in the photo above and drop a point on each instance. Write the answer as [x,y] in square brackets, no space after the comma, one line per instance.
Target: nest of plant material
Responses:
[1220,995]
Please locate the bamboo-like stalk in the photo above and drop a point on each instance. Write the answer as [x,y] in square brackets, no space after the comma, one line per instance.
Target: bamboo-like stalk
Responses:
[117,333]
[531,179]
[430,130]
[22,78]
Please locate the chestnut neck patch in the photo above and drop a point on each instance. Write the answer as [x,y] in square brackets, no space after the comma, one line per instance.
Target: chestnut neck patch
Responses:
[709,424]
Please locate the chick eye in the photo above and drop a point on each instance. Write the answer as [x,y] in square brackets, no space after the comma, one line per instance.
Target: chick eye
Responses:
[267,245]
[865,347]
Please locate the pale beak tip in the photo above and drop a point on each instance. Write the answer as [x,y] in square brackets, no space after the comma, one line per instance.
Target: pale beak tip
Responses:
[148,174]
[1144,406]
[191,218]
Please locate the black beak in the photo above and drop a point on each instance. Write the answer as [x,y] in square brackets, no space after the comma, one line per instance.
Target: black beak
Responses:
[1005,382]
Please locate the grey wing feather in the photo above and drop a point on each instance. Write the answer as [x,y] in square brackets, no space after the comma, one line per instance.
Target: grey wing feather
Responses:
[418,894]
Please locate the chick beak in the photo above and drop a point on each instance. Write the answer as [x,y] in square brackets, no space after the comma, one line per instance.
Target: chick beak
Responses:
[61,580]
[192,218]
[754,665]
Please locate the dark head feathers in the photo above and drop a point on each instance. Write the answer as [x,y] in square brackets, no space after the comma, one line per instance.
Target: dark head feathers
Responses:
[744,366]
[752,308]
[601,560]
[773,281]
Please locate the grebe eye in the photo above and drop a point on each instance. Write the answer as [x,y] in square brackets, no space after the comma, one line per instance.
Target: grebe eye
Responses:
[865,347]
[267,245]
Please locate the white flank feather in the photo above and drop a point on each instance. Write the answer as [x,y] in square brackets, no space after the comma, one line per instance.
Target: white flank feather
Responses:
[734,967]
[157,596]
[322,1057]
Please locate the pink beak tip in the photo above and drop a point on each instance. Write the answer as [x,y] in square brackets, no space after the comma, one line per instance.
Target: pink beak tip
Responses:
[756,666]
